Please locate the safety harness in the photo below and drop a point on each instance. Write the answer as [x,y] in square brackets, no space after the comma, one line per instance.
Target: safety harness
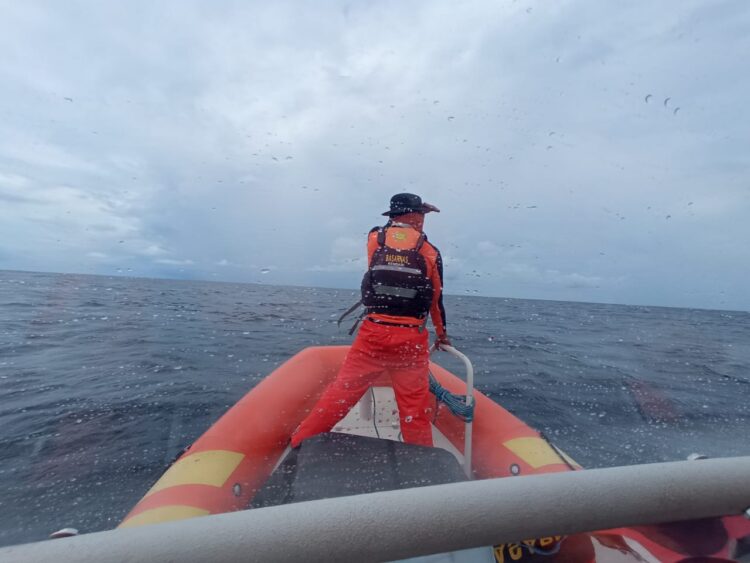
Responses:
[396,283]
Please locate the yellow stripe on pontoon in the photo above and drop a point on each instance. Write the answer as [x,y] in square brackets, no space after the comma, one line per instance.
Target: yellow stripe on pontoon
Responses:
[535,451]
[211,467]
[163,514]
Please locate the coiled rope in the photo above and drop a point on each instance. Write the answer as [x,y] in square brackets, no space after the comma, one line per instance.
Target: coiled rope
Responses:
[455,403]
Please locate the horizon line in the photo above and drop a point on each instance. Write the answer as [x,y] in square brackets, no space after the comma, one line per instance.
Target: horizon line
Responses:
[458,295]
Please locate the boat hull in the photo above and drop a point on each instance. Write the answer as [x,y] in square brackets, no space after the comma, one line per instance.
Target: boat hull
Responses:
[228,464]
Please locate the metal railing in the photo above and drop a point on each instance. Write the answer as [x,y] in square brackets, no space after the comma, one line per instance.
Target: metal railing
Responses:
[469,401]
[407,523]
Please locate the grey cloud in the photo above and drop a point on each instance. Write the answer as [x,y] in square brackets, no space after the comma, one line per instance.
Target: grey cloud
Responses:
[260,133]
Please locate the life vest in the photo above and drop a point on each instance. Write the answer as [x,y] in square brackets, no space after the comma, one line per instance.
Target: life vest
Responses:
[397,281]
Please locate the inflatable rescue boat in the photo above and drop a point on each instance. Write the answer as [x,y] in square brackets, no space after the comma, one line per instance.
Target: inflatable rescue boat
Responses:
[243,462]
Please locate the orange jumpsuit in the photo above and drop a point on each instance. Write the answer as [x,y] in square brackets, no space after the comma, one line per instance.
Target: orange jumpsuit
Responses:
[402,351]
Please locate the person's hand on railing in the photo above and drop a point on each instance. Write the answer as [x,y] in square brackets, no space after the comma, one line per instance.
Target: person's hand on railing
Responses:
[442,340]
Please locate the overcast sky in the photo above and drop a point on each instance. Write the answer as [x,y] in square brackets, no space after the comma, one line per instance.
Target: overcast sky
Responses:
[579,150]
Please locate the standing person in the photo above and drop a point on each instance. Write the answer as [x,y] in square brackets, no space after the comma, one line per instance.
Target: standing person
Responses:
[403,284]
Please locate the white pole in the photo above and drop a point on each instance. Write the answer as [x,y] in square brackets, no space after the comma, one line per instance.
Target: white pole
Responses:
[469,401]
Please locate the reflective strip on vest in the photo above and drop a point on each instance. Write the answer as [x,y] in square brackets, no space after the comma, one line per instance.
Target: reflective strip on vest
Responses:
[396,268]
[395,291]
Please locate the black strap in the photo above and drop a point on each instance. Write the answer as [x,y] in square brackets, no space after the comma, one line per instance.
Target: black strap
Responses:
[348,312]
[420,327]
[356,324]
[400,325]
[420,242]
[381,236]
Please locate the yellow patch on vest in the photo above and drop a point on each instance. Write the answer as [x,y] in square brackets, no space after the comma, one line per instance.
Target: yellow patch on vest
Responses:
[399,235]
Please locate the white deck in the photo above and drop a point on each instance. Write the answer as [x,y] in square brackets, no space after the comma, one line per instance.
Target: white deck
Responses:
[376,416]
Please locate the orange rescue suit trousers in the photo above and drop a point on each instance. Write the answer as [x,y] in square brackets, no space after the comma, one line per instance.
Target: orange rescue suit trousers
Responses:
[403,352]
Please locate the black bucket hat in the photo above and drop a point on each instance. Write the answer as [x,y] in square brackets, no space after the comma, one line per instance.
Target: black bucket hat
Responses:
[408,203]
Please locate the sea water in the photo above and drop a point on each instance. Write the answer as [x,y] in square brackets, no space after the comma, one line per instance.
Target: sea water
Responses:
[105,380]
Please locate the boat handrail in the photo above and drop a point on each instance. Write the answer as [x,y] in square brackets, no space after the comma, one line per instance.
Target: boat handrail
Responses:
[469,401]
[392,525]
